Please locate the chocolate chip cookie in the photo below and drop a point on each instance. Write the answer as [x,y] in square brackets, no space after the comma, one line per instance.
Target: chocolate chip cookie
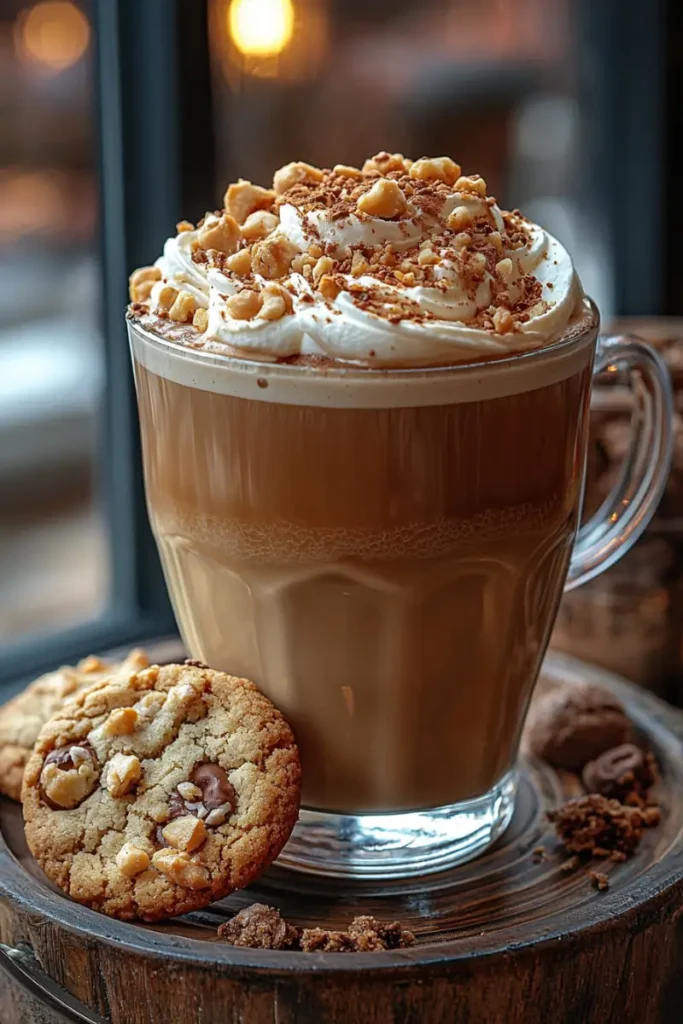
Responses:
[155,795]
[22,718]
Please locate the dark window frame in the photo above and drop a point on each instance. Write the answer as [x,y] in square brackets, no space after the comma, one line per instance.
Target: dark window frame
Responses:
[156,166]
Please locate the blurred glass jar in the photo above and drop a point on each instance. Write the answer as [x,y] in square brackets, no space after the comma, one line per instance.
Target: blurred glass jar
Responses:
[630,619]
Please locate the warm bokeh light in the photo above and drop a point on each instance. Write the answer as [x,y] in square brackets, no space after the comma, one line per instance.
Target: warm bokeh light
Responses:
[261,28]
[53,34]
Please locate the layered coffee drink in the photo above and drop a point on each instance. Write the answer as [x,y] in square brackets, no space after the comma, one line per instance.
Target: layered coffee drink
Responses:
[364,398]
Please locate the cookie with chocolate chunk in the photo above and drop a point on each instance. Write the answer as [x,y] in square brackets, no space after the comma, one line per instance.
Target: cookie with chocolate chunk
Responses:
[22,718]
[154,795]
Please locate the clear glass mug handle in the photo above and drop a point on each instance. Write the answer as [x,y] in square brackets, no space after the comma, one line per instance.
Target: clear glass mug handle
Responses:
[628,509]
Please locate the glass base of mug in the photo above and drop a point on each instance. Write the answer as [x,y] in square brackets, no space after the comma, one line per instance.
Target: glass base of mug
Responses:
[399,845]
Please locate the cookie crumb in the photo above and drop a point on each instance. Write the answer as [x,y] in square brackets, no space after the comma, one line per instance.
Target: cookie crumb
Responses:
[365,935]
[323,940]
[259,927]
[263,927]
[597,826]
[538,854]
[570,864]
[194,663]
[600,880]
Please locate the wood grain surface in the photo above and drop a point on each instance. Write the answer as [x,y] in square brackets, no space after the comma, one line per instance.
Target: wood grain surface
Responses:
[502,940]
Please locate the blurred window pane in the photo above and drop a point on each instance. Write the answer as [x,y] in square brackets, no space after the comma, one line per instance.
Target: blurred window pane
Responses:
[491,83]
[53,544]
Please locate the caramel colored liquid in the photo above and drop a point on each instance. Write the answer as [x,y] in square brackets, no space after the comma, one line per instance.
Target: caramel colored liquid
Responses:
[389,577]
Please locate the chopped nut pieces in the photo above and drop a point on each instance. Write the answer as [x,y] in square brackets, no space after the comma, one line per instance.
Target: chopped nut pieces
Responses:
[294,174]
[325,265]
[329,287]
[121,722]
[258,225]
[384,200]
[427,258]
[141,283]
[186,833]
[503,321]
[179,868]
[504,268]
[242,198]
[189,791]
[473,183]
[262,927]
[200,320]
[344,171]
[123,771]
[245,305]
[68,777]
[385,163]
[246,241]
[600,827]
[166,297]
[221,234]
[359,265]
[441,168]
[239,263]
[460,219]
[276,302]
[272,257]
[600,880]
[131,860]
[183,307]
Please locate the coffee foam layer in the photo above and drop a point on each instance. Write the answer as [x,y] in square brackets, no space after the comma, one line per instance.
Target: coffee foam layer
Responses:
[163,349]
[281,542]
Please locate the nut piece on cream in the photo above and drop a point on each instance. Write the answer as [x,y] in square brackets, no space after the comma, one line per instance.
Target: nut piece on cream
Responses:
[398,262]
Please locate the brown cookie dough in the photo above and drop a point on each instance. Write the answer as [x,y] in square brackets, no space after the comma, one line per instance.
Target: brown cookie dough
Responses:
[574,724]
[22,718]
[156,794]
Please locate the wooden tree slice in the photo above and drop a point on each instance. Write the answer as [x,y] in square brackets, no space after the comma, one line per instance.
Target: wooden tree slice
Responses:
[502,940]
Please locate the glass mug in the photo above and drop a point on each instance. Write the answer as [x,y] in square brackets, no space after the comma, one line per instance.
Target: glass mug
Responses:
[384,553]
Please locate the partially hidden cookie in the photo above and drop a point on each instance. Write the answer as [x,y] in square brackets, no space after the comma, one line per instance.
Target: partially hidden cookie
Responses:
[22,718]
[575,723]
[158,794]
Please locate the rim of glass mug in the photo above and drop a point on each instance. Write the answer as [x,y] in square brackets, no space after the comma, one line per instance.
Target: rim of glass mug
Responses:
[349,386]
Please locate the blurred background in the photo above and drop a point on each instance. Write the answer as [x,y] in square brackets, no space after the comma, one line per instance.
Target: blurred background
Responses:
[564,106]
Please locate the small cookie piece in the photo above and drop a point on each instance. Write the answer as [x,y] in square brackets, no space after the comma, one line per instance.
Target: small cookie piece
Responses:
[365,934]
[22,718]
[259,927]
[623,773]
[192,800]
[599,827]
[575,723]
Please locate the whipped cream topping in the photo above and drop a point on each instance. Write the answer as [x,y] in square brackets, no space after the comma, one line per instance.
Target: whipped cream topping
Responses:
[399,264]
